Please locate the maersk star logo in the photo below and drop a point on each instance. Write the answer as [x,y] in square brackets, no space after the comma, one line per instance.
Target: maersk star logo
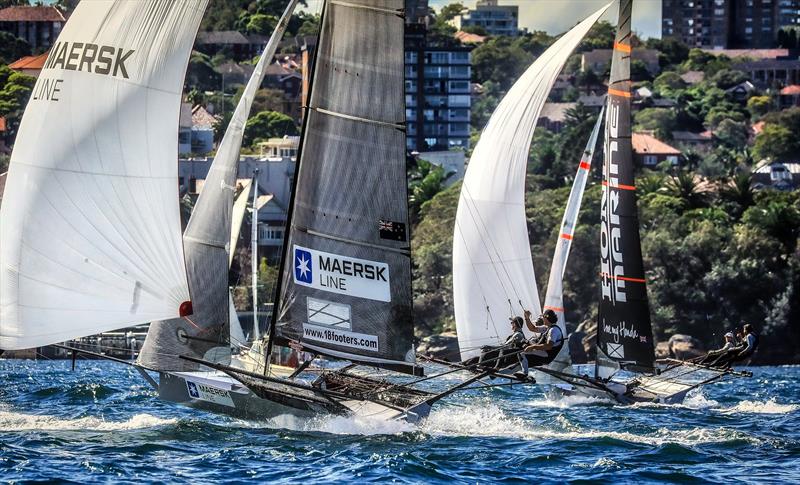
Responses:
[192,389]
[302,266]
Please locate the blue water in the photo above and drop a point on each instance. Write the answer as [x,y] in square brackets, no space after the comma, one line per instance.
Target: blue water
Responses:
[102,423]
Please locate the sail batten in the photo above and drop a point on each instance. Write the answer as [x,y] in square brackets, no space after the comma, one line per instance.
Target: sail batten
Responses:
[207,243]
[493,275]
[90,225]
[624,333]
[345,288]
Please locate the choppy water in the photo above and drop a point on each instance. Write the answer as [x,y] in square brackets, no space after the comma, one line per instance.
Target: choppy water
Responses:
[102,423]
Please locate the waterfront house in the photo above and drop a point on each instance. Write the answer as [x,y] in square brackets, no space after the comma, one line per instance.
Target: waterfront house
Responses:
[648,151]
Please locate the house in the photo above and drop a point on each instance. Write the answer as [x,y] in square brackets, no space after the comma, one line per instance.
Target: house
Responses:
[594,102]
[239,45]
[280,148]
[693,77]
[767,72]
[38,25]
[598,60]
[467,38]
[283,77]
[29,65]
[777,175]
[790,96]
[185,129]
[452,161]
[741,91]
[3,148]
[553,115]
[648,151]
[202,130]
[700,142]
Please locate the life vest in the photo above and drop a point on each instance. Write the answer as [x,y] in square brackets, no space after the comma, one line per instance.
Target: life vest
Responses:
[553,352]
[752,350]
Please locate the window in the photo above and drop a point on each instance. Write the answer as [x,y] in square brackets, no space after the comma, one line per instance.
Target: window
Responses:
[650,160]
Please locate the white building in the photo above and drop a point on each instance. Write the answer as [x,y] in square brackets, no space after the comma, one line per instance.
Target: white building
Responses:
[495,19]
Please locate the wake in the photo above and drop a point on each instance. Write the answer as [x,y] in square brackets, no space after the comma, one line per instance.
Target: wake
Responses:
[13,421]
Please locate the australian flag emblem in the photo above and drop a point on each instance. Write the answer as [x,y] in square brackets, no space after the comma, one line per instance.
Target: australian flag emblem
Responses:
[302,266]
[193,392]
[393,231]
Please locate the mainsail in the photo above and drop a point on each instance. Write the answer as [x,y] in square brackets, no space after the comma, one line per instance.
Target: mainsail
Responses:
[493,277]
[624,335]
[90,226]
[554,299]
[345,288]
[206,334]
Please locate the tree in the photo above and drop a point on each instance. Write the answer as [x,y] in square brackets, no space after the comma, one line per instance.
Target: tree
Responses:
[728,78]
[499,60]
[449,12]
[261,24]
[268,124]
[668,82]
[733,134]
[775,142]
[662,121]
[759,105]
[12,48]
[672,51]
[685,186]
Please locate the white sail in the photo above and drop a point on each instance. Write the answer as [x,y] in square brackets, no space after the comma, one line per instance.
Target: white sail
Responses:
[554,299]
[90,235]
[493,277]
[239,208]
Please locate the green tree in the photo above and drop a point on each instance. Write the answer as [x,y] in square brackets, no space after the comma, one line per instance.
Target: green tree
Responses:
[775,142]
[500,61]
[261,24]
[12,48]
[733,134]
[759,105]
[268,124]
[686,187]
[668,82]
[662,121]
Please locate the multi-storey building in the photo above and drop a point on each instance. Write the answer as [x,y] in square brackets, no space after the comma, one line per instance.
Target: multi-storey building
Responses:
[493,18]
[437,92]
[38,25]
[728,24]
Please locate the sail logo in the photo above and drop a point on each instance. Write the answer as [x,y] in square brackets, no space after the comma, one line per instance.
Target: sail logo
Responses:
[611,263]
[302,268]
[193,392]
[340,274]
[94,58]
[209,393]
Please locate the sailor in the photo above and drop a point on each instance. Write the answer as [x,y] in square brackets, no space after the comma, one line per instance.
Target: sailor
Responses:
[712,355]
[544,348]
[744,350]
[496,357]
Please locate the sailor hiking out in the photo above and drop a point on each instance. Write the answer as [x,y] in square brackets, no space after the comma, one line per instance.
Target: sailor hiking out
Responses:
[503,356]
[547,342]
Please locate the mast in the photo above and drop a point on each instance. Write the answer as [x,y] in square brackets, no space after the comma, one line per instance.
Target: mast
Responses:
[347,291]
[254,257]
[624,333]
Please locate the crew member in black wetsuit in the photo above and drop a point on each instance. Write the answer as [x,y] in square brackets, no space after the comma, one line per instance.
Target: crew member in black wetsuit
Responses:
[542,349]
[496,357]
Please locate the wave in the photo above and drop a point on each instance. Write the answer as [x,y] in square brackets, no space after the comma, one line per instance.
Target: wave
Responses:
[491,421]
[13,421]
[762,407]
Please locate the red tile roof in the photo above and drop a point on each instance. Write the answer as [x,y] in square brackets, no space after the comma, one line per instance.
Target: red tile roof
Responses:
[644,143]
[21,13]
[2,124]
[792,90]
[30,62]
[468,38]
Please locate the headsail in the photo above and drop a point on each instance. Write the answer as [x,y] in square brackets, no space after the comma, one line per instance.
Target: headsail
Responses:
[554,299]
[345,287]
[493,276]
[624,335]
[206,334]
[90,227]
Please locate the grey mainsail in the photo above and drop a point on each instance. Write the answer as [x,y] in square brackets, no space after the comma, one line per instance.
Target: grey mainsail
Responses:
[206,333]
[345,287]
[624,334]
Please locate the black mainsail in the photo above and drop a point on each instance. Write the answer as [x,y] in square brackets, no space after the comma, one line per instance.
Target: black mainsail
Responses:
[345,288]
[624,334]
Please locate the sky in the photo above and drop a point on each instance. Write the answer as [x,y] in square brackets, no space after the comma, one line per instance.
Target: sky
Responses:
[557,16]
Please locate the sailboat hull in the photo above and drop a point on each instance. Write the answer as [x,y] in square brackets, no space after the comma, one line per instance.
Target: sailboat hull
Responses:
[219,393]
